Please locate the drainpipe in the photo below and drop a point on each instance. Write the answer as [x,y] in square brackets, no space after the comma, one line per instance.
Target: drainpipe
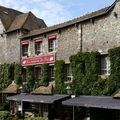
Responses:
[81,37]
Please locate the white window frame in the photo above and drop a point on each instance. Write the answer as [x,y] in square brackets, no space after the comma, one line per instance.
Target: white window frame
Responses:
[68,73]
[52,45]
[38,51]
[105,68]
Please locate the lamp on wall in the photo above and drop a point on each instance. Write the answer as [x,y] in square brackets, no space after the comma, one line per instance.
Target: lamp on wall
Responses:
[69,90]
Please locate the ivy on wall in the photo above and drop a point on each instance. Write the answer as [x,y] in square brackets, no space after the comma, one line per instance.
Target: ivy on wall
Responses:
[44,81]
[30,77]
[17,74]
[59,76]
[85,70]
[5,75]
[114,79]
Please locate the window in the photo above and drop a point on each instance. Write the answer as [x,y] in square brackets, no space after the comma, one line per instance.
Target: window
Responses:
[52,45]
[38,73]
[38,48]
[51,73]
[68,73]
[105,65]
[25,50]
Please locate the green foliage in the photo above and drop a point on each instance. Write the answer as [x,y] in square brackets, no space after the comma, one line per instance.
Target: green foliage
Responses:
[4,106]
[5,75]
[99,87]
[17,74]
[59,76]
[30,77]
[114,80]
[4,115]
[44,81]
[85,70]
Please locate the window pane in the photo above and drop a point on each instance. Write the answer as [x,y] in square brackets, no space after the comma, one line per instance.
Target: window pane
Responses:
[105,65]
[25,50]
[38,48]
[68,73]
[51,72]
[52,45]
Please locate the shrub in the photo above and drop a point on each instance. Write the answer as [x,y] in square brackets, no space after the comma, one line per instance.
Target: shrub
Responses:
[4,106]
[4,115]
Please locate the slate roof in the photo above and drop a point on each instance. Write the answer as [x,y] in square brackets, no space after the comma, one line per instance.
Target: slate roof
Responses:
[49,99]
[71,22]
[14,20]
[25,20]
[7,16]
[106,102]
[18,22]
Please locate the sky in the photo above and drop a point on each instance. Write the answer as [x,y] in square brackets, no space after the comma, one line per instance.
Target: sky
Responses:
[57,11]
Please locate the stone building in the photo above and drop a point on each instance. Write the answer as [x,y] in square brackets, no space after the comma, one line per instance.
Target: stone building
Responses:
[13,24]
[97,31]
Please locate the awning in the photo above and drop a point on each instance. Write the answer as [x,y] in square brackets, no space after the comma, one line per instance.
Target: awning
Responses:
[37,98]
[18,97]
[105,102]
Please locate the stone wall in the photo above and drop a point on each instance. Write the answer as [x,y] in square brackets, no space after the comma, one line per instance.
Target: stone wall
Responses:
[13,47]
[103,33]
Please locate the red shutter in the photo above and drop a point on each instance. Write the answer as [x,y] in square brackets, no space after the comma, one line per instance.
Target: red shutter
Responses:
[24,42]
[52,37]
[38,40]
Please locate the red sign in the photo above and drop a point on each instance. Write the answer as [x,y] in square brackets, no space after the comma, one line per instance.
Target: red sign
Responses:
[50,37]
[38,60]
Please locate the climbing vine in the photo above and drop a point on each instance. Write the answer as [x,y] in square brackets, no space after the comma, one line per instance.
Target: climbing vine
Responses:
[59,76]
[30,77]
[44,81]
[17,74]
[85,71]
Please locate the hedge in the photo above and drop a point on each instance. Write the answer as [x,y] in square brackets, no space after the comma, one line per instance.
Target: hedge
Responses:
[4,115]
